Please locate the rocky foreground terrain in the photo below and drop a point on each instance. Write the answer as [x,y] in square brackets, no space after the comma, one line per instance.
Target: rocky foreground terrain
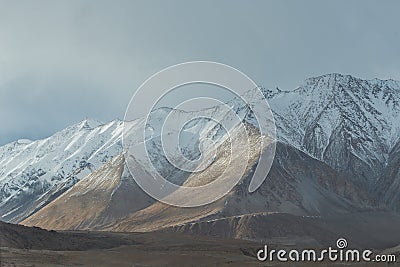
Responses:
[27,246]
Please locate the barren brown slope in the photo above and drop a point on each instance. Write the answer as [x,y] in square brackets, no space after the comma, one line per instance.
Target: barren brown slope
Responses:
[297,184]
[105,195]
[161,215]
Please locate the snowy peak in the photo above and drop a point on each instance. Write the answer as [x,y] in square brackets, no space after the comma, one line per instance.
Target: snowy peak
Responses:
[331,85]
[88,124]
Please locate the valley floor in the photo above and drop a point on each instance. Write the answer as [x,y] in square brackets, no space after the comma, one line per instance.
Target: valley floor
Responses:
[151,249]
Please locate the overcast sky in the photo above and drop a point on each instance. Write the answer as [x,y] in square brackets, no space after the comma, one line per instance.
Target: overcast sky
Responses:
[63,61]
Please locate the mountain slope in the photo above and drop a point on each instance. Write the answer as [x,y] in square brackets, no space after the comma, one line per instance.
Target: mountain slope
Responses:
[108,194]
[297,184]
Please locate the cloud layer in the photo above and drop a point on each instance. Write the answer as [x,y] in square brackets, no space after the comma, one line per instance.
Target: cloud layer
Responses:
[62,61]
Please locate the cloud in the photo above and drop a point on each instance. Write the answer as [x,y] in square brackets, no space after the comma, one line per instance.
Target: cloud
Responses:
[62,61]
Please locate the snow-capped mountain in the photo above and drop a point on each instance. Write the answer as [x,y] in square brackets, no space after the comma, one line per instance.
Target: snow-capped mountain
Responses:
[349,123]
[32,173]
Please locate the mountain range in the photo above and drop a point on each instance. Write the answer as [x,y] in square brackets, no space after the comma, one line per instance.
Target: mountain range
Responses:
[337,156]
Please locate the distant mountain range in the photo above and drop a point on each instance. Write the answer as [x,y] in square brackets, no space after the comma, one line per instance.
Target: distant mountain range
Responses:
[338,153]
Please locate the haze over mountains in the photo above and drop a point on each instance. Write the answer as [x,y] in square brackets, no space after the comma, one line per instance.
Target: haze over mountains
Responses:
[337,154]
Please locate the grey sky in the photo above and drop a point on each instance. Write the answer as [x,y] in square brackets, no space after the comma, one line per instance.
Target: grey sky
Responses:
[62,61]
